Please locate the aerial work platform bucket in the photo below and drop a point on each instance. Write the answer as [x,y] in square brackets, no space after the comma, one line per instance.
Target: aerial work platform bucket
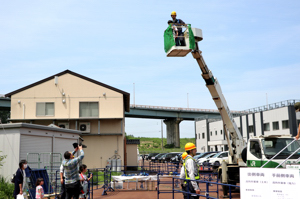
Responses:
[190,36]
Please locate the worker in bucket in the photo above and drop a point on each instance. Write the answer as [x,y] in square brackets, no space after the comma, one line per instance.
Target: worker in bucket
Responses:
[180,37]
[175,32]
[191,172]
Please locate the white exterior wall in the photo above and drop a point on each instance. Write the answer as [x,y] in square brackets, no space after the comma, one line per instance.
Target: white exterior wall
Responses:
[244,123]
[275,115]
[9,146]
[258,126]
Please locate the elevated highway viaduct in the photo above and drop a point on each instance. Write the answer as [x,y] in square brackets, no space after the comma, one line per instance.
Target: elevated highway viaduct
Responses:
[172,116]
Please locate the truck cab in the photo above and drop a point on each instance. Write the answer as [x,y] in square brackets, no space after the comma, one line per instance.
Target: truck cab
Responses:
[261,149]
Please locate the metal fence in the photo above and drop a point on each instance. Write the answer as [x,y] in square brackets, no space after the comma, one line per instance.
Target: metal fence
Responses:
[212,193]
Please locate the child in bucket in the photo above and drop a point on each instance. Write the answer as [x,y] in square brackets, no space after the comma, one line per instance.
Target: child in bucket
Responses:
[84,181]
[39,191]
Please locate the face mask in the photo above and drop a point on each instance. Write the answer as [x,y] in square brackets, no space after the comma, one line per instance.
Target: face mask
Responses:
[25,166]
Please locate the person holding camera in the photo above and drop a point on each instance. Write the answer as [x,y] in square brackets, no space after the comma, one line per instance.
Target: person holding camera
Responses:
[72,181]
[62,178]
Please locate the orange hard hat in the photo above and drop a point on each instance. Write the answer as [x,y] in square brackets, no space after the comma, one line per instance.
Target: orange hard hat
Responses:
[173,13]
[189,146]
[184,155]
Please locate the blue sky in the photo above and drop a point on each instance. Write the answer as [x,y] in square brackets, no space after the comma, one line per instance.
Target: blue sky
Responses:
[252,47]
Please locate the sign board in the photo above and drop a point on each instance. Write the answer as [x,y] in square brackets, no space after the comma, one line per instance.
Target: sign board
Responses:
[269,183]
[293,166]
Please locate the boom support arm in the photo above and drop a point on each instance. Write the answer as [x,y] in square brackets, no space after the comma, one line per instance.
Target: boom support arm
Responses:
[238,143]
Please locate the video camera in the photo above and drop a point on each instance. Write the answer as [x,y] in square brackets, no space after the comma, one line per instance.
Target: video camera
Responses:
[75,145]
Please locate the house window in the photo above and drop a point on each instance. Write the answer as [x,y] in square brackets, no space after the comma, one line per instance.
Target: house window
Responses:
[285,124]
[275,125]
[216,132]
[203,135]
[88,109]
[251,129]
[45,109]
[266,126]
[211,133]
[221,132]
[199,136]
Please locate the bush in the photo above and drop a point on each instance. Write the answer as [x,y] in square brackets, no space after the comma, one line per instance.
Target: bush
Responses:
[6,189]
[168,146]
[2,157]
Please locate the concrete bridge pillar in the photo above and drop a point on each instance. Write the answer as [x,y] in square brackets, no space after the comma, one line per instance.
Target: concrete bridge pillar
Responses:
[173,136]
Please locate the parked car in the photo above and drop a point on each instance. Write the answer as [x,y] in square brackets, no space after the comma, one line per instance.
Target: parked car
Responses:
[202,160]
[151,155]
[140,157]
[146,156]
[161,158]
[169,156]
[217,159]
[177,158]
[196,157]
[156,158]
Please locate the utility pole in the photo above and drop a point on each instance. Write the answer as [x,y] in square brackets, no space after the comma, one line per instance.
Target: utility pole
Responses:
[162,136]
[188,100]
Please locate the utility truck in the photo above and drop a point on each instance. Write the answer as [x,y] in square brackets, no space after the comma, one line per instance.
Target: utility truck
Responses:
[261,151]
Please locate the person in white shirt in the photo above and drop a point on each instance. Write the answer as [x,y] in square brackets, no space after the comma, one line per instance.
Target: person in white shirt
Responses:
[191,171]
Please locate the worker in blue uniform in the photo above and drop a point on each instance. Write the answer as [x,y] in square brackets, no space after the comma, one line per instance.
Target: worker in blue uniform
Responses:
[180,37]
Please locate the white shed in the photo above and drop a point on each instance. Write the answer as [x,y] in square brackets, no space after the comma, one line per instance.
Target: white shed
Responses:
[19,139]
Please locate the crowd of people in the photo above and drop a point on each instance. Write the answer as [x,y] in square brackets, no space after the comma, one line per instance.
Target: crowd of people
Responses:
[74,182]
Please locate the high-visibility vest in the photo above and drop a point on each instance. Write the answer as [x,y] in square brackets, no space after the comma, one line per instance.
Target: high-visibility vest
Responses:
[197,176]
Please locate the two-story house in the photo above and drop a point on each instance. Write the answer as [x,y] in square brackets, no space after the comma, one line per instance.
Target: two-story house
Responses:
[70,100]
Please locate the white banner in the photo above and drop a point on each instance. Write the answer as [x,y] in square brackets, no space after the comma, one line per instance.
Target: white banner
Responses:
[269,183]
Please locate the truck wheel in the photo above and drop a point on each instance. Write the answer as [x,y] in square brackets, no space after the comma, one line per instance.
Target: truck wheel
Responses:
[244,155]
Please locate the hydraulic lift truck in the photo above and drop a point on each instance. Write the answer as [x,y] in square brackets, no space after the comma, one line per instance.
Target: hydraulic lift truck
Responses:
[262,151]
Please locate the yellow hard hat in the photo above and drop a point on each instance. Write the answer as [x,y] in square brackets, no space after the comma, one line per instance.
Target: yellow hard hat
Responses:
[173,13]
[189,146]
[184,155]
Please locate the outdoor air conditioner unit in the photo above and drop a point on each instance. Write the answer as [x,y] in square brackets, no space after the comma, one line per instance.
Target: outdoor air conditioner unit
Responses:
[85,127]
[64,125]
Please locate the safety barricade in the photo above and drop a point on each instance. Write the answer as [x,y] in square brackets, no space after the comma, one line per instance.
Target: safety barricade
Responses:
[161,168]
[211,188]
[101,180]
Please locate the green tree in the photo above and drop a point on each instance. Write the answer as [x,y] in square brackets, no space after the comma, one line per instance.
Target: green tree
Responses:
[4,116]
[2,157]
[6,189]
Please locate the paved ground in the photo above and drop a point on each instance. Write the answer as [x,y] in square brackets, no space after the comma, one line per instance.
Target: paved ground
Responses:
[133,190]
[152,193]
